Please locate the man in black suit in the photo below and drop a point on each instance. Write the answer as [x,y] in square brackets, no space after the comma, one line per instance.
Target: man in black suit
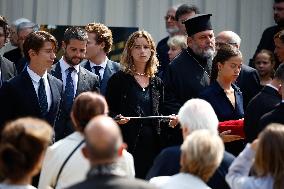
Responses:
[103,147]
[7,68]
[33,92]
[194,115]
[99,45]
[266,100]
[248,79]
[75,78]
[275,115]
[15,55]
[23,30]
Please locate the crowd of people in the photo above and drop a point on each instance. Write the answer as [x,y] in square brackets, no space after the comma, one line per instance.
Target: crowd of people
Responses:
[149,121]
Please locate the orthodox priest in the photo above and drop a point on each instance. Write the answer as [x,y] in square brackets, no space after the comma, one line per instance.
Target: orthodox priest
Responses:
[189,72]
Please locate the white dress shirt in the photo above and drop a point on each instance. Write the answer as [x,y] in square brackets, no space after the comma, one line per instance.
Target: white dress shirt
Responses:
[64,72]
[35,79]
[102,70]
[179,181]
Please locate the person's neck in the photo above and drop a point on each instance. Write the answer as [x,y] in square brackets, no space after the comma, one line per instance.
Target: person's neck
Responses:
[265,79]
[27,180]
[139,69]
[226,85]
[99,59]
[39,70]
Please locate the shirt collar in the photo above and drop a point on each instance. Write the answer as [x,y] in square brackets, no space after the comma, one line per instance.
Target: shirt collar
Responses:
[64,65]
[103,64]
[272,86]
[35,77]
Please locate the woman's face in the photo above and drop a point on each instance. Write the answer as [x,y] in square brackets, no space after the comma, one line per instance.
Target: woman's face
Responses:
[141,51]
[230,69]
[174,51]
[263,64]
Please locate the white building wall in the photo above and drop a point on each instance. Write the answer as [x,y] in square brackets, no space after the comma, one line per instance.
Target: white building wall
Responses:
[248,18]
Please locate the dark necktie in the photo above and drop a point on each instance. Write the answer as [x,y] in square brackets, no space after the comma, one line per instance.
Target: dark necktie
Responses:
[69,89]
[97,71]
[42,99]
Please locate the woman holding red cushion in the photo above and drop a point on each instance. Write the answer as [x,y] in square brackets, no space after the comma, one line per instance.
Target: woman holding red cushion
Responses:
[224,96]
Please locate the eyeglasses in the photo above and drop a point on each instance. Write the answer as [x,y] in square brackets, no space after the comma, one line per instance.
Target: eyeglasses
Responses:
[171,17]
[219,44]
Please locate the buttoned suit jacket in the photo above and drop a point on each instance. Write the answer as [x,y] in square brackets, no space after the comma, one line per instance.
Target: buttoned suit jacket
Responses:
[111,68]
[87,81]
[266,100]
[8,69]
[18,98]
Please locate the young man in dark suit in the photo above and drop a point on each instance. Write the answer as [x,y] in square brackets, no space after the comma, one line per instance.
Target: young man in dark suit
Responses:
[99,45]
[103,148]
[275,115]
[75,78]
[33,92]
[7,68]
[265,101]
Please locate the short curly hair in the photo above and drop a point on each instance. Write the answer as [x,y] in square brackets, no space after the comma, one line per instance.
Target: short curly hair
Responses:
[103,34]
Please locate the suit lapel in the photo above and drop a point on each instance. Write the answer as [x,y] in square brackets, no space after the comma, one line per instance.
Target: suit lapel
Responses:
[107,73]
[56,71]
[29,91]
[55,94]
[88,66]
[81,85]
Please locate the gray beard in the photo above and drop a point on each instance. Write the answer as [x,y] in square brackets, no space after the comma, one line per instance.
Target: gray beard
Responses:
[206,54]
[172,31]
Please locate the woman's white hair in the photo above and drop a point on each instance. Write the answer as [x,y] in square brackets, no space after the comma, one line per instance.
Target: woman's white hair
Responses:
[198,114]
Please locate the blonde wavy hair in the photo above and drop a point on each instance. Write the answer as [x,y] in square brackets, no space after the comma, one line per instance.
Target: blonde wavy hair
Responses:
[127,61]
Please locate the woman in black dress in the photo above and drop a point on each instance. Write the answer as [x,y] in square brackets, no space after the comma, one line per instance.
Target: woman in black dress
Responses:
[136,91]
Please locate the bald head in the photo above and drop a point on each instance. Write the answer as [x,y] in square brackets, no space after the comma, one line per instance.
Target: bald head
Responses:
[228,37]
[103,140]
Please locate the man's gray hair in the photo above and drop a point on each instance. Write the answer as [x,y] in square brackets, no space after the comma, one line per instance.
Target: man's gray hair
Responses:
[198,114]
[19,21]
[235,38]
[26,25]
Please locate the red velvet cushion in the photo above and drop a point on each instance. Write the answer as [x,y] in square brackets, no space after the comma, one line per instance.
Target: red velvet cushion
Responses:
[236,127]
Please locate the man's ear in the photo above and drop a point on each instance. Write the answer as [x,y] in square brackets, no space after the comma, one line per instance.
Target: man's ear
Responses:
[185,132]
[103,44]
[120,149]
[85,152]
[189,41]
[219,65]
[31,53]
[63,45]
